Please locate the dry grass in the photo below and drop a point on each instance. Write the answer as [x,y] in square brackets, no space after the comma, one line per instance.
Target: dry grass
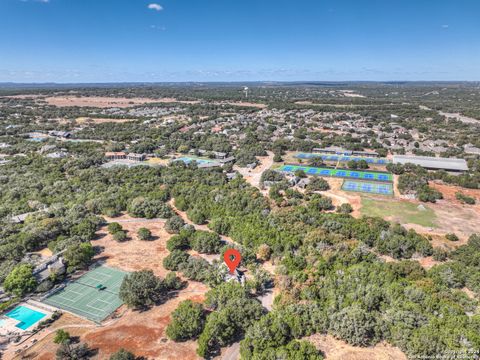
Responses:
[107,102]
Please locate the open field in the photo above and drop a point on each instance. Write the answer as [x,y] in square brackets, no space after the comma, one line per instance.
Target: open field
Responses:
[398,211]
[107,102]
[134,254]
[339,350]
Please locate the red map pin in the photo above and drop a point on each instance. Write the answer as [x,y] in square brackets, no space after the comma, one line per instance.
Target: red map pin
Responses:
[232,263]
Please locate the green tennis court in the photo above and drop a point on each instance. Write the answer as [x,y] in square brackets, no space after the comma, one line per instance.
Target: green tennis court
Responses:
[342,173]
[93,296]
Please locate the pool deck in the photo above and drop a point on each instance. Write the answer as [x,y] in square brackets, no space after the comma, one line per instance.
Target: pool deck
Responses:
[8,325]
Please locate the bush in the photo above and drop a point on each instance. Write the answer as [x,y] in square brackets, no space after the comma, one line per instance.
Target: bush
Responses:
[452,237]
[465,199]
[144,234]
[264,252]
[122,354]
[197,216]
[120,236]
[175,259]
[172,282]
[114,227]
[187,322]
[180,241]
[345,208]
[439,254]
[174,224]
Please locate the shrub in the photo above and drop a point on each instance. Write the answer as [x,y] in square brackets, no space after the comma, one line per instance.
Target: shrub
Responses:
[174,224]
[114,227]
[144,234]
[120,236]
[452,237]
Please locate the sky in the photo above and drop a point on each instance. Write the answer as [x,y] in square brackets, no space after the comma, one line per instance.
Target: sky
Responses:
[238,40]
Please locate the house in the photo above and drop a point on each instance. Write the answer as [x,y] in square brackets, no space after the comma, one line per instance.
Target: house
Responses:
[136,157]
[60,134]
[53,265]
[120,155]
[57,155]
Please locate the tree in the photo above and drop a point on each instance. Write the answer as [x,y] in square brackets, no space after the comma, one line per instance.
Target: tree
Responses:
[114,227]
[20,280]
[362,164]
[300,173]
[187,323]
[175,259]
[318,184]
[277,157]
[144,234]
[206,242]
[352,164]
[355,325]
[78,256]
[172,282]
[61,337]
[122,354]
[67,352]
[149,208]
[316,161]
[174,224]
[141,289]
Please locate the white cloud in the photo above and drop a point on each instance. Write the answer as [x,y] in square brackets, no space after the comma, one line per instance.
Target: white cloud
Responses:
[445,26]
[156,7]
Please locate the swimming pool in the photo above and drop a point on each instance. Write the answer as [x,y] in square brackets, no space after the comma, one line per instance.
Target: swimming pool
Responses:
[26,316]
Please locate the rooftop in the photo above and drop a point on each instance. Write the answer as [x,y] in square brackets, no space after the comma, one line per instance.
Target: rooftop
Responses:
[432,162]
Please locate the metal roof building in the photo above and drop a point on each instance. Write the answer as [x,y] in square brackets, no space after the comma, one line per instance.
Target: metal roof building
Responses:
[432,163]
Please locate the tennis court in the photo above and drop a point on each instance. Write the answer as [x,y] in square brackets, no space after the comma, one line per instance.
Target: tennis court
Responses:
[343,158]
[368,187]
[93,296]
[342,173]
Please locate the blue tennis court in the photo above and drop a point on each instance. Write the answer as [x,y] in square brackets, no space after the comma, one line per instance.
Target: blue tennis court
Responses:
[343,158]
[342,173]
[367,187]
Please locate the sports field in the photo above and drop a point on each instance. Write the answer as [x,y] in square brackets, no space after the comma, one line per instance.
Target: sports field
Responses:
[342,158]
[342,173]
[368,187]
[93,296]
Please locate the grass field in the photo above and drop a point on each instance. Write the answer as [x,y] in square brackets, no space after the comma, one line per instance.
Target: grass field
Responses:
[400,211]
[84,297]
[342,173]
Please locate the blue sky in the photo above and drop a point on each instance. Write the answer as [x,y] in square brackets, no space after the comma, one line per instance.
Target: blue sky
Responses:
[238,40]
